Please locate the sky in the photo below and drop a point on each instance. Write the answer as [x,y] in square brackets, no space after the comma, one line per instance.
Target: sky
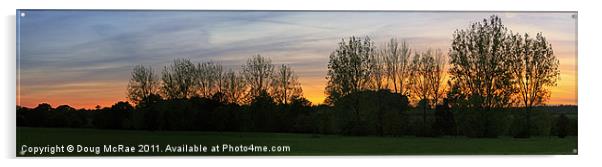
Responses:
[84,58]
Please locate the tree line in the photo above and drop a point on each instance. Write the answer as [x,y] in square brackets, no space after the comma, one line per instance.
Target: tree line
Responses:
[485,86]
[184,79]
[490,69]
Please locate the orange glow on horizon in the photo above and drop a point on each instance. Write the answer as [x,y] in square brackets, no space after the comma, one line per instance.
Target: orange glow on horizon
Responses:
[89,95]
[87,62]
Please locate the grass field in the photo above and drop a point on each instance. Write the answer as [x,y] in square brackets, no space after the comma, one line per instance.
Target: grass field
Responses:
[300,144]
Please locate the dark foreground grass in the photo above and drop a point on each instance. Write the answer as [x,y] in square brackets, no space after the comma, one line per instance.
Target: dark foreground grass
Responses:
[300,144]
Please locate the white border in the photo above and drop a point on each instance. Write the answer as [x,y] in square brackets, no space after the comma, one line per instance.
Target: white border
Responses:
[588,84]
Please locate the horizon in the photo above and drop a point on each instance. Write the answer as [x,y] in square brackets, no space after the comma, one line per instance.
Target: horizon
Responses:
[84,58]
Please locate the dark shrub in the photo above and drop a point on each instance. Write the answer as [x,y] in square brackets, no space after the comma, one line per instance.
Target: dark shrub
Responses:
[444,120]
[562,126]
[371,113]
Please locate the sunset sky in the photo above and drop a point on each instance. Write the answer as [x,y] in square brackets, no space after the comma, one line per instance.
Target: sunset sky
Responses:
[84,58]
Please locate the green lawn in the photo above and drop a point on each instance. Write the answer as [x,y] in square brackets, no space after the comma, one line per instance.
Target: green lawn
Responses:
[300,144]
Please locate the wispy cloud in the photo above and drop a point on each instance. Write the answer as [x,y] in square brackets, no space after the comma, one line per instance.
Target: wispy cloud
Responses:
[64,48]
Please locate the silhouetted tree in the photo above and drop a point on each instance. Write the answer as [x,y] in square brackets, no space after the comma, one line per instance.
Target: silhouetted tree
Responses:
[151,112]
[349,68]
[64,108]
[302,117]
[299,102]
[209,75]
[258,74]
[534,69]
[263,109]
[68,116]
[424,77]
[378,73]
[479,65]
[234,87]
[122,106]
[179,80]
[481,72]
[285,85]
[397,61]
[43,107]
[142,84]
[438,77]
[118,116]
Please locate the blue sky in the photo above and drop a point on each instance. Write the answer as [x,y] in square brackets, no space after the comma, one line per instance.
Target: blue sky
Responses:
[83,58]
